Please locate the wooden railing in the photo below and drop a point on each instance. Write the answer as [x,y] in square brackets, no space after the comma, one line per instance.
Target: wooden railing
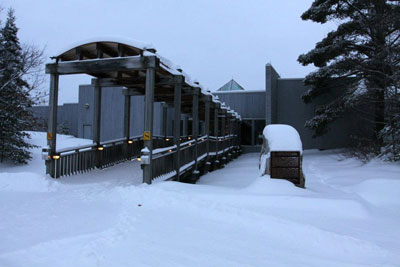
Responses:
[79,159]
[163,164]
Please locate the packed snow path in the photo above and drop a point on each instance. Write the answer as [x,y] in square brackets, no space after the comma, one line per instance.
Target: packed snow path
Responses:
[348,215]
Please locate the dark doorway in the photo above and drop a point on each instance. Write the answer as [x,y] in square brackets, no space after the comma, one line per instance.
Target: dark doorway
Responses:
[245,132]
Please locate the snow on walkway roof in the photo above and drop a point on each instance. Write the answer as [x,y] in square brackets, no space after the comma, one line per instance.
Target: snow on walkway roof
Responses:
[111,46]
[106,39]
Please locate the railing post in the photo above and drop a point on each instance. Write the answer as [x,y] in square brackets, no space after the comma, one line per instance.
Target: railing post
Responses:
[177,123]
[195,128]
[216,118]
[127,119]
[253,133]
[223,136]
[148,120]
[52,126]
[207,125]
[207,131]
[97,121]
[231,134]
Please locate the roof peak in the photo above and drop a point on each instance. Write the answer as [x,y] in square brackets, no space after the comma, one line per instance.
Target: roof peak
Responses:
[232,85]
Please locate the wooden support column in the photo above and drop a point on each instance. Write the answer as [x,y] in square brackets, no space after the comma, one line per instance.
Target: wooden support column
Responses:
[185,125]
[223,136]
[127,116]
[164,120]
[52,126]
[195,124]
[97,122]
[223,126]
[231,130]
[216,118]
[127,120]
[96,114]
[252,132]
[177,123]
[148,125]
[207,125]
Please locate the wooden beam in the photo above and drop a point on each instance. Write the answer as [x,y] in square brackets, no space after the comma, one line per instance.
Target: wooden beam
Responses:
[97,114]
[177,123]
[52,126]
[148,124]
[127,116]
[130,82]
[121,50]
[100,65]
[132,92]
[195,124]
[216,132]
[99,51]
[207,125]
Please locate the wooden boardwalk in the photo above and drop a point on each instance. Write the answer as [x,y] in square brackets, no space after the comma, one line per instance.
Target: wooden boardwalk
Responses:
[140,70]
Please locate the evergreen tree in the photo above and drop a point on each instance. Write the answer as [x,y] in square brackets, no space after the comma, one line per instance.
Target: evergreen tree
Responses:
[15,99]
[358,64]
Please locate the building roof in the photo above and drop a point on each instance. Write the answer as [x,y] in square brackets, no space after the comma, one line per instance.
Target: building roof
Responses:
[232,85]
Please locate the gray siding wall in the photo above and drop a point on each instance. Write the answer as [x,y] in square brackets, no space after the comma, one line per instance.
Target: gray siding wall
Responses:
[67,117]
[247,104]
[112,113]
[271,88]
[293,111]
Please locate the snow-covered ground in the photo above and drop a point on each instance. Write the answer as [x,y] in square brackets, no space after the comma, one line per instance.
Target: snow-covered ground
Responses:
[348,215]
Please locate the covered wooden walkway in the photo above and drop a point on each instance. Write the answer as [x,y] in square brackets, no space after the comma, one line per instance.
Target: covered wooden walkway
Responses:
[140,70]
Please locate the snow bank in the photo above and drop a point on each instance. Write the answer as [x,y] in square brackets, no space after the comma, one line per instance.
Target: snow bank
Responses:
[25,182]
[379,191]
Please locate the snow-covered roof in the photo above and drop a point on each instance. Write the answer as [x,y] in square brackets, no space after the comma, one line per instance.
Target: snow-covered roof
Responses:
[107,39]
[282,137]
[136,48]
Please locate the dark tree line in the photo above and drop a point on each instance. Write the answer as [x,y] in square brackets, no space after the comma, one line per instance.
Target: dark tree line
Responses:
[360,61]
[20,67]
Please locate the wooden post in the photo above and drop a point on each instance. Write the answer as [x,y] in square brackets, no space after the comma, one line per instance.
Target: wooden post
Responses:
[223,126]
[148,123]
[207,126]
[97,121]
[216,118]
[52,126]
[164,120]
[231,130]
[177,123]
[127,120]
[97,114]
[195,124]
[252,132]
[223,136]
[185,125]
[127,116]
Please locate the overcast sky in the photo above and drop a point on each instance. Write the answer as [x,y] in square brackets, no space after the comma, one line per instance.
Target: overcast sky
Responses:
[212,40]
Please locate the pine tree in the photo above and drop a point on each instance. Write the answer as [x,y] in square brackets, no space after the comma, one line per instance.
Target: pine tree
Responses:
[358,64]
[15,100]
